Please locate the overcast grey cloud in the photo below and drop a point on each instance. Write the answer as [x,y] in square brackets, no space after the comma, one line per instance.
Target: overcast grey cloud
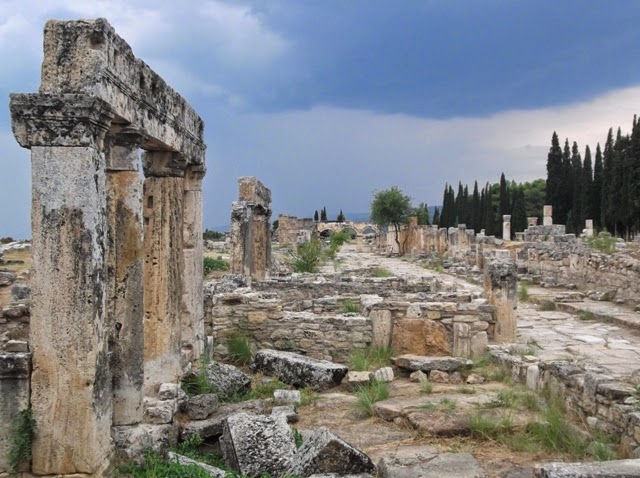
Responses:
[327,101]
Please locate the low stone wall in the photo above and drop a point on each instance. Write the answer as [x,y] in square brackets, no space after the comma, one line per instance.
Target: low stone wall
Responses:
[574,262]
[590,394]
[15,370]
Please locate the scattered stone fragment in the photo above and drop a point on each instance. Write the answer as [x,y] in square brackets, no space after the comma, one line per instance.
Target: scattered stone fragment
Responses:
[603,469]
[20,292]
[357,379]
[436,376]
[425,462]
[170,391]
[384,374]
[418,376]
[131,441]
[427,364]
[456,378]
[183,460]
[475,379]
[16,346]
[325,452]
[286,397]
[254,444]
[200,407]
[7,278]
[212,426]
[298,370]
[440,424]
[158,412]
[227,380]
[288,411]
[15,311]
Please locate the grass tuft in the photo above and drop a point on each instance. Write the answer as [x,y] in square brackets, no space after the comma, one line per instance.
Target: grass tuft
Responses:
[426,387]
[523,292]
[23,431]
[239,348]
[371,357]
[349,306]
[381,272]
[369,394]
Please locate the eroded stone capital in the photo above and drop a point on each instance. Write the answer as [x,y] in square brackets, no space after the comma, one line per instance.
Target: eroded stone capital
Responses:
[163,164]
[193,177]
[59,120]
[122,145]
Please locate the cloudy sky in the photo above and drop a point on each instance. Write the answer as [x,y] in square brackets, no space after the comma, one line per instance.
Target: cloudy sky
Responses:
[328,100]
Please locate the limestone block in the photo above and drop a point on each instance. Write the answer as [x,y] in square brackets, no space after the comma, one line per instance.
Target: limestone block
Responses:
[420,337]
[287,397]
[289,411]
[16,346]
[227,380]
[298,370]
[426,462]
[475,379]
[7,278]
[418,376]
[382,327]
[325,452]
[20,292]
[159,412]
[384,374]
[15,369]
[437,376]
[426,364]
[199,407]
[212,426]
[479,343]
[461,340]
[357,379]
[607,469]
[533,375]
[253,444]
[131,441]
[170,391]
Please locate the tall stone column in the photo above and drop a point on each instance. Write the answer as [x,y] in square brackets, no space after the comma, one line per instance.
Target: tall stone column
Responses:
[547,216]
[71,380]
[192,289]
[124,274]
[163,267]
[500,284]
[506,227]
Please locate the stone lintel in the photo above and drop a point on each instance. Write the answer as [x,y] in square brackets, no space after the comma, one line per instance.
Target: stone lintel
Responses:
[163,164]
[252,191]
[59,120]
[88,57]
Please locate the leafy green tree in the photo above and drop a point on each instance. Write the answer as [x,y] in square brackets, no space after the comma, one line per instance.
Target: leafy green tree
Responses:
[391,207]
[212,235]
[315,216]
[422,213]
[340,217]
[275,225]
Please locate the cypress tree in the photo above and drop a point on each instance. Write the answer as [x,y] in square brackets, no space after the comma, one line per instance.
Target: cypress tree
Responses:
[596,197]
[566,187]
[586,199]
[519,213]
[607,182]
[315,215]
[323,214]
[475,210]
[340,217]
[576,198]
[442,219]
[436,217]
[554,174]
[504,200]
[489,212]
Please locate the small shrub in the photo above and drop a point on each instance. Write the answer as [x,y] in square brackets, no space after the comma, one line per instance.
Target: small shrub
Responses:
[381,272]
[586,315]
[308,396]
[374,356]
[189,447]
[367,395]
[349,306]
[23,431]
[523,292]
[197,383]
[604,244]
[264,389]
[309,256]
[426,387]
[547,305]
[239,348]
[210,264]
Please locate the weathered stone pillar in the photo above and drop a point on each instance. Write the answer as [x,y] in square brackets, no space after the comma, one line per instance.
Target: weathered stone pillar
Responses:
[547,216]
[71,379]
[124,274]
[359,242]
[532,221]
[163,267]
[500,284]
[192,290]
[506,227]
[588,227]
[250,230]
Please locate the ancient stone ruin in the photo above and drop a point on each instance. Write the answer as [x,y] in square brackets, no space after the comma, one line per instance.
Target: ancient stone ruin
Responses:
[116,283]
[251,230]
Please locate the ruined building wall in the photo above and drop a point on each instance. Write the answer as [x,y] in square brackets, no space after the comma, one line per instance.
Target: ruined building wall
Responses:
[114,259]
[292,229]
[251,230]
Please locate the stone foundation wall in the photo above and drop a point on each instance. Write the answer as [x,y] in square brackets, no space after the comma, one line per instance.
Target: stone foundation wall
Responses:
[591,395]
[15,369]
[574,262]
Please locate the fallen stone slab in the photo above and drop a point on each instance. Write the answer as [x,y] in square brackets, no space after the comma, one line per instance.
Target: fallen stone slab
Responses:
[7,278]
[427,364]
[355,380]
[183,460]
[285,397]
[425,462]
[289,411]
[254,444]
[298,370]
[603,469]
[227,380]
[212,426]
[325,452]
[130,442]
[441,424]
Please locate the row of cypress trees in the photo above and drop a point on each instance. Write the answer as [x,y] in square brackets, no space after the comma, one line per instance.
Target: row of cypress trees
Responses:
[607,191]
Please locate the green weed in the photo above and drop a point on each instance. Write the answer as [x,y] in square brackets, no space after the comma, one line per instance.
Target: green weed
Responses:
[369,394]
[349,306]
[426,387]
[239,348]
[523,292]
[210,264]
[371,357]
[309,256]
[381,272]
[23,431]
